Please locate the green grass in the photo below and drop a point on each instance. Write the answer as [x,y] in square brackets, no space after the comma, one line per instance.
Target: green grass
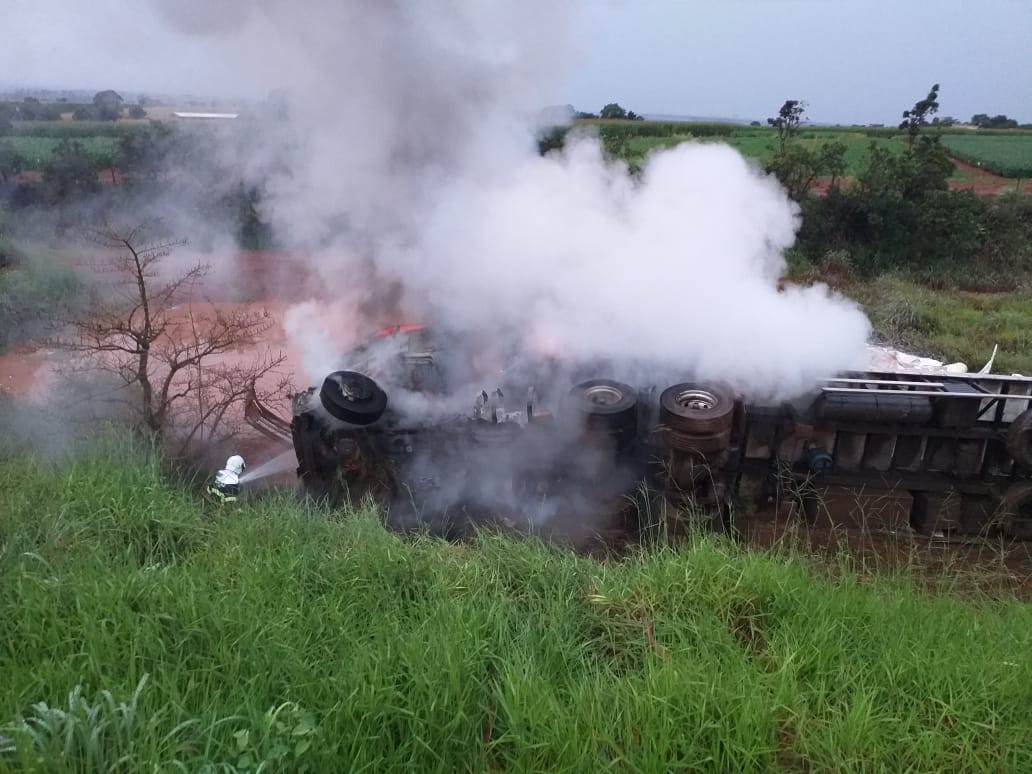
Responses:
[36,151]
[312,643]
[1007,154]
[950,323]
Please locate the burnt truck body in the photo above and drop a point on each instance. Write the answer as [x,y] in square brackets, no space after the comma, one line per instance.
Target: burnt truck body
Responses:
[937,454]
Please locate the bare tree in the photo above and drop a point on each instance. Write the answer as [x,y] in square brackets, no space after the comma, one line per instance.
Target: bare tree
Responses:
[172,351]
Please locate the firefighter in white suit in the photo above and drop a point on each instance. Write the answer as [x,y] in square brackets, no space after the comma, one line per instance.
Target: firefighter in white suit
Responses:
[225,488]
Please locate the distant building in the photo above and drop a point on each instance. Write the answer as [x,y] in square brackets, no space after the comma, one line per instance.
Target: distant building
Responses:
[206,116]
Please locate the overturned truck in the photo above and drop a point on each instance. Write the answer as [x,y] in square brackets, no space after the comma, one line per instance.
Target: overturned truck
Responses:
[945,454]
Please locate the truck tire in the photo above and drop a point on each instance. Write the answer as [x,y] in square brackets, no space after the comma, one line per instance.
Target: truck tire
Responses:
[1019,439]
[704,444]
[697,409]
[602,406]
[353,397]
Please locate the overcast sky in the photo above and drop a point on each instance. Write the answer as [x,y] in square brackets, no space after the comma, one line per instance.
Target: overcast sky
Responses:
[852,60]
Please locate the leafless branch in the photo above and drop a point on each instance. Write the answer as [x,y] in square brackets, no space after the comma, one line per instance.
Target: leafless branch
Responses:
[152,332]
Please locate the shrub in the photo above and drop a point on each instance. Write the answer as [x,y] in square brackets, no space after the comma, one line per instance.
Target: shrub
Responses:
[901,214]
[663,128]
[29,295]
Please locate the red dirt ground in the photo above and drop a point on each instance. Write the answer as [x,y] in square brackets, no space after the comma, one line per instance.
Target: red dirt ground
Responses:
[251,281]
[33,177]
[987,183]
[22,369]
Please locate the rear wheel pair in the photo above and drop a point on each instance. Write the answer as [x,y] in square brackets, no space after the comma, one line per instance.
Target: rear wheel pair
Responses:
[697,417]
[606,407]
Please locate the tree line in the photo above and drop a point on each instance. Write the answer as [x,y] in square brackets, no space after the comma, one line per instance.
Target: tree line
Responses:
[149,162]
[107,105]
[899,212]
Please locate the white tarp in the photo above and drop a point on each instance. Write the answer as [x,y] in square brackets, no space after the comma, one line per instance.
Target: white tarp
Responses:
[894,360]
[889,359]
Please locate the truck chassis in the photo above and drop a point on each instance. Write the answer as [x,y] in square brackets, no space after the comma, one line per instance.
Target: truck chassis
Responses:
[947,455]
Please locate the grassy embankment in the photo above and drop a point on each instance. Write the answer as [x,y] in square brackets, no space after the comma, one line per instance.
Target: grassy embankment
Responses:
[947,322]
[951,324]
[279,635]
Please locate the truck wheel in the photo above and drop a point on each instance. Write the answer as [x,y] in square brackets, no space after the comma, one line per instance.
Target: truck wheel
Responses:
[353,397]
[703,444]
[1019,439]
[1016,507]
[696,409]
[602,404]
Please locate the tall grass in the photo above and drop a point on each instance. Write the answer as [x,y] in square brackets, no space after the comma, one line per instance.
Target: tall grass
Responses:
[144,630]
[950,323]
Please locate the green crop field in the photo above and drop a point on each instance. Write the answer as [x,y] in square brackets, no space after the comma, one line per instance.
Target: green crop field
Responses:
[641,137]
[761,144]
[35,151]
[145,631]
[1004,153]
[75,129]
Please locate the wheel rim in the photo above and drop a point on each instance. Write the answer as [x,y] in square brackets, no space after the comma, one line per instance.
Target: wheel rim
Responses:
[354,390]
[696,400]
[603,395]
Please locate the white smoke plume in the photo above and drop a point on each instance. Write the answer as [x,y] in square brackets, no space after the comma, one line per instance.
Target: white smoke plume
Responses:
[408,167]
